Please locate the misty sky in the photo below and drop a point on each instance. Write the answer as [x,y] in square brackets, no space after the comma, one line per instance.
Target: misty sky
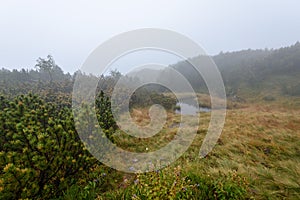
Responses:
[70,30]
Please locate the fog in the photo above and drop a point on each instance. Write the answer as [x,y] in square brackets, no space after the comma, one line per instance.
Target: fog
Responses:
[70,30]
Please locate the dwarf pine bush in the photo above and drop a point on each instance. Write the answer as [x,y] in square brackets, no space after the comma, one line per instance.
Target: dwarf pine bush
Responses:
[40,153]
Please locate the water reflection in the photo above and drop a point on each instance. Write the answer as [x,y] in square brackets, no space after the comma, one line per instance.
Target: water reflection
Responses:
[187,109]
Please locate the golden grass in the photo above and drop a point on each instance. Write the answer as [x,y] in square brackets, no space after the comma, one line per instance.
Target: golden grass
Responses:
[260,142]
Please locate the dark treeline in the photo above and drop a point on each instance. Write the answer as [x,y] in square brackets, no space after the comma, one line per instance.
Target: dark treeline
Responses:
[45,70]
[258,70]
[50,82]
[252,69]
[271,70]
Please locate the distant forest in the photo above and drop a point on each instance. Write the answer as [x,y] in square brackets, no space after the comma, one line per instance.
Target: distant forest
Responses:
[275,71]
[260,70]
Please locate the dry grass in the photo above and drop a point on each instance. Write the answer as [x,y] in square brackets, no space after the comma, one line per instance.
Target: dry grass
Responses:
[260,142]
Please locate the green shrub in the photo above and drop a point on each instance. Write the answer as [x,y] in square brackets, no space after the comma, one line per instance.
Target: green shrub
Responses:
[105,116]
[145,98]
[171,183]
[41,153]
[223,186]
[166,184]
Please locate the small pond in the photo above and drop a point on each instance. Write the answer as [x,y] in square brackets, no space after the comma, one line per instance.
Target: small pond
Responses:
[187,109]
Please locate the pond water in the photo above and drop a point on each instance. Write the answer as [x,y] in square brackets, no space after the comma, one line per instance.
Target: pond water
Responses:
[187,109]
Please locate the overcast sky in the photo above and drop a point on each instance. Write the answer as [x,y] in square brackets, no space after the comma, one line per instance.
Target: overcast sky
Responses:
[71,30]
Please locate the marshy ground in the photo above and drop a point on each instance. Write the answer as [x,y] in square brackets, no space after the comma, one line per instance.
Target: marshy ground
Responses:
[258,151]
